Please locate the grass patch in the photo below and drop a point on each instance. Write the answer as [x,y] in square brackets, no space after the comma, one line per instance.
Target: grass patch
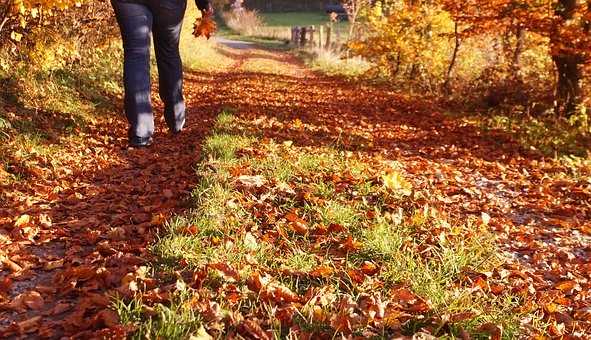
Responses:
[286,236]
[279,19]
[49,95]
[334,64]
[291,19]
[549,135]
[176,320]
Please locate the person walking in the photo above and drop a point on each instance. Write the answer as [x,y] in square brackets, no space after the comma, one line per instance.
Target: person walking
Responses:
[139,20]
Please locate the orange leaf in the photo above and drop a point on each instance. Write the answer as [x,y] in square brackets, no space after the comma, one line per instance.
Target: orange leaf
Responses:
[356,275]
[566,286]
[369,268]
[322,271]
[299,227]
[229,272]
[351,245]
[204,27]
[191,230]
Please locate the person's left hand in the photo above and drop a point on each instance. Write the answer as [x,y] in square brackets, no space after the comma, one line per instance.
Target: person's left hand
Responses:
[207,12]
[205,26]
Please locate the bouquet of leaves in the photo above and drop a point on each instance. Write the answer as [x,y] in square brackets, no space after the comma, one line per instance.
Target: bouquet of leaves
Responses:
[205,26]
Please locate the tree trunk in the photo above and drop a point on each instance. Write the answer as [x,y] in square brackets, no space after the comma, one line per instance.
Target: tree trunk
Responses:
[454,58]
[568,86]
[568,66]
[515,64]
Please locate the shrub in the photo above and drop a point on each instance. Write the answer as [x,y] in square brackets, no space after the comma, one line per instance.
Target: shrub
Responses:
[333,63]
[244,22]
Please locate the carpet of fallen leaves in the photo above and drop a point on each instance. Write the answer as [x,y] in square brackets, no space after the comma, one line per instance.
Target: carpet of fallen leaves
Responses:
[73,235]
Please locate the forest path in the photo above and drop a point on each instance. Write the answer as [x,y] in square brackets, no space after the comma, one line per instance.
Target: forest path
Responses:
[73,236]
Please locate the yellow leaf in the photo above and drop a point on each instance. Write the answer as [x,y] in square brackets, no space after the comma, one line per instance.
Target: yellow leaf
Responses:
[22,221]
[16,36]
[394,181]
[485,218]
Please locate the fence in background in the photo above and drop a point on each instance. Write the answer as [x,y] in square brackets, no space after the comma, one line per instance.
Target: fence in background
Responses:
[323,36]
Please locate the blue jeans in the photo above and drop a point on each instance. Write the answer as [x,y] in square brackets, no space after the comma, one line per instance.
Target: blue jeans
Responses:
[138,20]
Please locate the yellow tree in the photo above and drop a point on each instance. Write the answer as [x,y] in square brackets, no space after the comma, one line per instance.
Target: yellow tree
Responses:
[17,15]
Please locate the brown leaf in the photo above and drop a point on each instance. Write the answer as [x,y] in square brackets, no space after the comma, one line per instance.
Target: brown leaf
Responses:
[29,326]
[341,323]
[30,299]
[51,265]
[336,228]
[299,227]
[351,245]
[322,271]
[106,317]
[369,268]
[60,308]
[583,314]
[14,267]
[252,330]
[291,217]
[229,273]
[356,275]
[490,328]
[256,282]
[191,230]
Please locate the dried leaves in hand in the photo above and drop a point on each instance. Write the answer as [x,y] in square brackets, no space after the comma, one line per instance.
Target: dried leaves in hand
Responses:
[204,27]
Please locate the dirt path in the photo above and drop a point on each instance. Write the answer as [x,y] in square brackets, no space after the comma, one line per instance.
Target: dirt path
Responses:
[89,226]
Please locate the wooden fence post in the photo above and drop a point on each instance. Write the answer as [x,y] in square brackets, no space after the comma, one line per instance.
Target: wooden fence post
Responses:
[320,36]
[311,30]
[328,35]
[296,35]
[292,39]
[303,36]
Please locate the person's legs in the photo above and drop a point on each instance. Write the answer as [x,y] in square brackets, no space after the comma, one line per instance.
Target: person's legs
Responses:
[135,21]
[168,22]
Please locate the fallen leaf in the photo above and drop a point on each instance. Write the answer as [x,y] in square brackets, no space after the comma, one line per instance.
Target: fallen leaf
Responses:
[369,268]
[30,325]
[22,221]
[51,265]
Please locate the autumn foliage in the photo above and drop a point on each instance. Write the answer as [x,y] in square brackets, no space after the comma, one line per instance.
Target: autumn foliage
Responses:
[17,15]
[438,42]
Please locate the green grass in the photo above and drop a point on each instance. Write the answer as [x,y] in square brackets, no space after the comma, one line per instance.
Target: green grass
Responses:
[177,320]
[280,19]
[249,231]
[277,25]
[224,146]
[48,100]
[547,134]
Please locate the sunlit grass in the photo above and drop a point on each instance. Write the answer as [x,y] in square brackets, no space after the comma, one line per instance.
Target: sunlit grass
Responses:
[177,320]
[549,135]
[334,64]
[415,249]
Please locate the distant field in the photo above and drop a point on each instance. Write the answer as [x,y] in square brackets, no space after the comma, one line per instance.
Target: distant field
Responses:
[290,19]
[295,19]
